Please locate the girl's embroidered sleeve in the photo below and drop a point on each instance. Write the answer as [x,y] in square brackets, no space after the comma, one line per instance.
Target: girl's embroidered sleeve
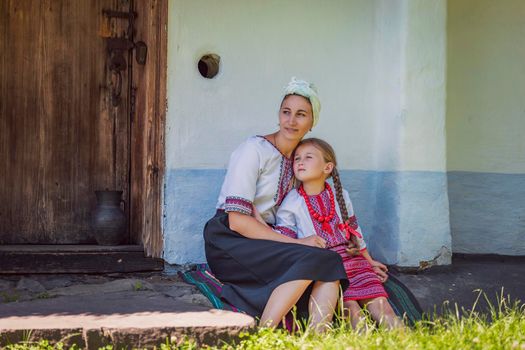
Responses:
[241,179]
[285,220]
[353,220]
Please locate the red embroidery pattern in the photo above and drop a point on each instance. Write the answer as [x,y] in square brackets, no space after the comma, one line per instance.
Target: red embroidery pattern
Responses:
[352,221]
[321,203]
[238,204]
[323,217]
[285,180]
[364,283]
[286,231]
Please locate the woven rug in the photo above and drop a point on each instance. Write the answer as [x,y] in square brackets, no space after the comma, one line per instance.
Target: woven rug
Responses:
[403,302]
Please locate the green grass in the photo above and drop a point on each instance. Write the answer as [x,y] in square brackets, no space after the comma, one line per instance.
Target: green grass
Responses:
[43,295]
[506,332]
[503,327]
[138,286]
[41,345]
[9,298]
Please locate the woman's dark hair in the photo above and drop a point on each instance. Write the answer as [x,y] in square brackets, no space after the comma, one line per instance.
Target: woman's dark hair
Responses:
[329,156]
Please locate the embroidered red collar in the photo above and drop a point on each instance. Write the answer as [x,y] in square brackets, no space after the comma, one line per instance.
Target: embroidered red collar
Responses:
[324,220]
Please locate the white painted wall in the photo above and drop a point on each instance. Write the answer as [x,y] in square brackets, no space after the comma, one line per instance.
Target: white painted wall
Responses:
[423,85]
[349,49]
[424,233]
[486,86]
[379,67]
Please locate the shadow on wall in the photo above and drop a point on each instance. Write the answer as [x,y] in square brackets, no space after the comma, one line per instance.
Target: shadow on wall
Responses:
[485,123]
[375,196]
[404,215]
[487,213]
[191,196]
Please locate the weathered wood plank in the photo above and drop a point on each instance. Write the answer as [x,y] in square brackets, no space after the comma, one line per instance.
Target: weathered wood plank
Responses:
[60,137]
[147,171]
[69,248]
[77,262]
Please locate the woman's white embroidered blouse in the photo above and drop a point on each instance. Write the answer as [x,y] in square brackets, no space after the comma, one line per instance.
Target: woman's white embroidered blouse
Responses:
[258,174]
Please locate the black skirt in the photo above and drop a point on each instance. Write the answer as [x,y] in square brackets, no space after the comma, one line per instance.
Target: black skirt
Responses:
[252,268]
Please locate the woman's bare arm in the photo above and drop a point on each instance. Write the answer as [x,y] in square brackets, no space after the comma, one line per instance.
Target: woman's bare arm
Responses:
[249,227]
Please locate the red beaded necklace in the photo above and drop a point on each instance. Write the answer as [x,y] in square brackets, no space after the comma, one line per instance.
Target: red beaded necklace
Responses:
[324,220]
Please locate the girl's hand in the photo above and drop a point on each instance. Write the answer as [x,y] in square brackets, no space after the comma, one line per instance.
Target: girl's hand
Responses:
[383,276]
[351,249]
[380,270]
[312,241]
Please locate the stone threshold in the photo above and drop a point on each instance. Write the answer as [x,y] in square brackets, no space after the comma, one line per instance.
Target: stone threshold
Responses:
[124,320]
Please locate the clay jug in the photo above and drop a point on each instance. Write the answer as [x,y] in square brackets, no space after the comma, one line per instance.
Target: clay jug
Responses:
[109,221]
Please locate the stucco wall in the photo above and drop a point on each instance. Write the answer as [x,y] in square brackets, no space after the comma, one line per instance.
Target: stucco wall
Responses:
[424,209]
[485,124]
[380,70]
[261,45]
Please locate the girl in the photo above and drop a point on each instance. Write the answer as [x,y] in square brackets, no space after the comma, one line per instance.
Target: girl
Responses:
[263,274]
[310,209]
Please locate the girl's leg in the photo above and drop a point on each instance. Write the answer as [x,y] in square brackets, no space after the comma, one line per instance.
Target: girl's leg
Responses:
[354,312]
[323,301]
[282,299]
[382,312]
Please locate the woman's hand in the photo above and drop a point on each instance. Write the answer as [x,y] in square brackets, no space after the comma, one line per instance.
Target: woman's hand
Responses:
[380,269]
[312,241]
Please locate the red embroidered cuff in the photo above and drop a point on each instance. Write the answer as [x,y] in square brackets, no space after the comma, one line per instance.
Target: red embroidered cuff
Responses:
[286,231]
[238,204]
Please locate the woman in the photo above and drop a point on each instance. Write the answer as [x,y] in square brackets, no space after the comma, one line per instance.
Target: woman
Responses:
[266,273]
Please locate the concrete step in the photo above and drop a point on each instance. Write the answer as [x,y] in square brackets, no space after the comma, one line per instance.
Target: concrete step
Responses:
[125,320]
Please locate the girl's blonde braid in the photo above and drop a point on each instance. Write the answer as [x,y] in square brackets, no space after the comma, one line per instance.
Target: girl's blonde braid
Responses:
[353,244]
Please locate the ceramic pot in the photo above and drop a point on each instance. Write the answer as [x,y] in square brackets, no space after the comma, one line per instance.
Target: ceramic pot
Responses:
[109,221]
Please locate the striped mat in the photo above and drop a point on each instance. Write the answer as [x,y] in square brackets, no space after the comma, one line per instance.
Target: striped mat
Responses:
[402,300]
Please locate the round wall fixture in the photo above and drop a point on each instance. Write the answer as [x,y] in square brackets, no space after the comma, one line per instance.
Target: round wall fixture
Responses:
[209,65]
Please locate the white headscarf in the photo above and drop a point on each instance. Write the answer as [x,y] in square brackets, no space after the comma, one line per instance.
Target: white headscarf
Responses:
[307,90]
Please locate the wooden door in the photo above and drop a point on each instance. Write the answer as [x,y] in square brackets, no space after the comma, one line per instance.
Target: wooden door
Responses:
[61,137]
[147,129]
